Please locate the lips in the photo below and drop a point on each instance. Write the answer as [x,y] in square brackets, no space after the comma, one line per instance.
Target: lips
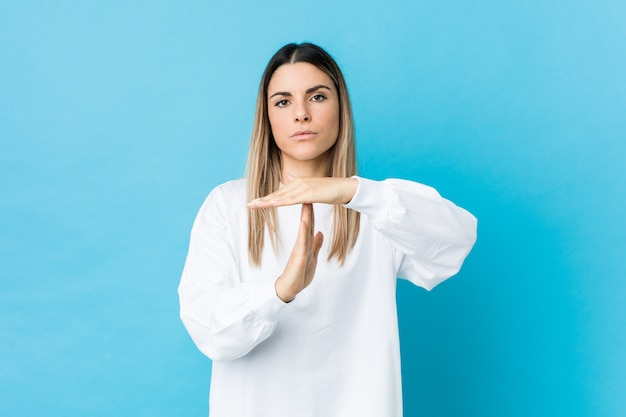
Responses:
[303,134]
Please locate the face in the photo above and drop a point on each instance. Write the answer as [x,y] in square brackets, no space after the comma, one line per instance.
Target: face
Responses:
[303,109]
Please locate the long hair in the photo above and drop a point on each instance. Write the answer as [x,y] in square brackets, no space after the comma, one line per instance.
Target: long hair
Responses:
[264,159]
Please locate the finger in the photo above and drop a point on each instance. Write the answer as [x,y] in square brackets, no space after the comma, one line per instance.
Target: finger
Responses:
[309,219]
[317,244]
[300,252]
[307,210]
[262,202]
[304,240]
[289,197]
[286,196]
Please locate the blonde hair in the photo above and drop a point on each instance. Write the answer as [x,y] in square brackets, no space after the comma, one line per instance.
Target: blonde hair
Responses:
[264,159]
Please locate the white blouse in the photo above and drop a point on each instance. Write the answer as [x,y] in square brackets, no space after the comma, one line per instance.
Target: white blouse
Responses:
[334,350]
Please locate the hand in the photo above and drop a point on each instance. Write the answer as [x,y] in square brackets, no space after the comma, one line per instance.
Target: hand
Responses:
[328,190]
[302,262]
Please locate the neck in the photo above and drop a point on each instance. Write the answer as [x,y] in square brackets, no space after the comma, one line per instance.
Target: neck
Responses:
[291,168]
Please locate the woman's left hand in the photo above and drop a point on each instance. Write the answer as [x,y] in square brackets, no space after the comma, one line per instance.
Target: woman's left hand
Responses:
[327,190]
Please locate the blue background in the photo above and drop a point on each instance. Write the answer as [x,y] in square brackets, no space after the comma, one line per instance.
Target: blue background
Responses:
[117,118]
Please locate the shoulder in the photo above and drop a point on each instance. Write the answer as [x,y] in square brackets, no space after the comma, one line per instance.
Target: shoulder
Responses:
[230,189]
[224,204]
[227,197]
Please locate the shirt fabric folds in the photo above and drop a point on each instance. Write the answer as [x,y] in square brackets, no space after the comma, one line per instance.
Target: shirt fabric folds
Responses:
[334,350]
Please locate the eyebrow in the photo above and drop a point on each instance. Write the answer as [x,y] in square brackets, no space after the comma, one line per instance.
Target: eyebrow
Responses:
[308,91]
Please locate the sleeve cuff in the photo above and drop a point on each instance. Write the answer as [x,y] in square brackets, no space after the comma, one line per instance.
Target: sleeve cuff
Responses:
[264,301]
[369,195]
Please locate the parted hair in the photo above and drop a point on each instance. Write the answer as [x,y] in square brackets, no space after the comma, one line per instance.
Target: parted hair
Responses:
[264,159]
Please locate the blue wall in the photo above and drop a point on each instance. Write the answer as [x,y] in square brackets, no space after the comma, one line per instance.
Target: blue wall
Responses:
[117,118]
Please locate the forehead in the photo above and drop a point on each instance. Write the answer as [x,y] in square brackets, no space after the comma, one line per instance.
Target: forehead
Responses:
[298,76]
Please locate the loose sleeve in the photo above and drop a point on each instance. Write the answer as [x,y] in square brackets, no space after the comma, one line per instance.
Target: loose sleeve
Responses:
[225,317]
[431,235]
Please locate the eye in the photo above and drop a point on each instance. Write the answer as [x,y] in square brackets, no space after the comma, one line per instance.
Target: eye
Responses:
[281,103]
[318,97]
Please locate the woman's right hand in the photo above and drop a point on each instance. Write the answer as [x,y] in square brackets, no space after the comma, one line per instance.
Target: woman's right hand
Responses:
[302,262]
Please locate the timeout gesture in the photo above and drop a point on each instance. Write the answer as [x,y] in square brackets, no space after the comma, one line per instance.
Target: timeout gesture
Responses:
[300,268]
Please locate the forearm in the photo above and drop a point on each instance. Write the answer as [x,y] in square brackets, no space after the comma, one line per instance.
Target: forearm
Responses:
[419,223]
[226,314]
[227,324]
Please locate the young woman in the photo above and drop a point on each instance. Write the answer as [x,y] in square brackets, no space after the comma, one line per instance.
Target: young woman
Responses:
[290,280]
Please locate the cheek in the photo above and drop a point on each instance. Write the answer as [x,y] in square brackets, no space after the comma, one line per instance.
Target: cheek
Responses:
[333,120]
[274,124]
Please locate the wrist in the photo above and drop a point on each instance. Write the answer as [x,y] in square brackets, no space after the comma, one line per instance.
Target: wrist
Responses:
[283,292]
[352,184]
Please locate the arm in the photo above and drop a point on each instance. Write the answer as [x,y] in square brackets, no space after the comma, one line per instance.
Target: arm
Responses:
[431,234]
[225,317]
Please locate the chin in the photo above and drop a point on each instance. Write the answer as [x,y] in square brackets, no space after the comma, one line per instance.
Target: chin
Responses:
[307,154]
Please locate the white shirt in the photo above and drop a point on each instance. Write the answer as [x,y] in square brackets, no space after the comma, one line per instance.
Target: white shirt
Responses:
[334,350]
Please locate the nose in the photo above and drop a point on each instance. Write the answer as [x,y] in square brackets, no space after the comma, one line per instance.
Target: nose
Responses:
[302,114]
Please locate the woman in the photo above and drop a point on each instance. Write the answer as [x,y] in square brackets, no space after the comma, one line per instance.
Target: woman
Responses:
[290,281]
